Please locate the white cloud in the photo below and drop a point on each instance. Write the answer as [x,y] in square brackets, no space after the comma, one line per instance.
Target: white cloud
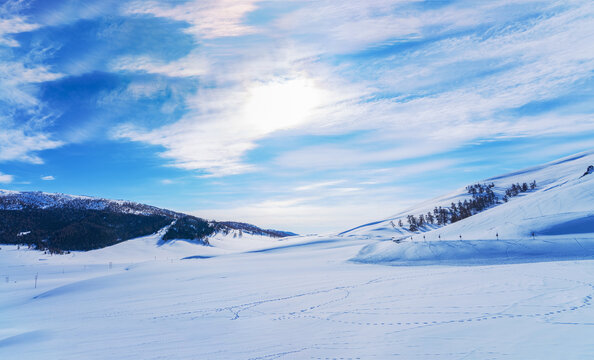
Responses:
[21,139]
[318,185]
[348,26]
[22,145]
[341,27]
[15,78]
[190,65]
[320,214]
[301,218]
[208,18]
[452,91]
[13,23]
[351,155]
[539,61]
[227,122]
[556,151]
[5,178]
[13,26]
[48,178]
[68,12]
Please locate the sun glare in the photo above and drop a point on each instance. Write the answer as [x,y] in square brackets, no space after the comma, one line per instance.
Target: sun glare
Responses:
[282,105]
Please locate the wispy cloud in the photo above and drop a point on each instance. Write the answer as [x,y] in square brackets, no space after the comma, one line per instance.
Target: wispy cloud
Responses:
[318,185]
[16,144]
[191,65]
[21,136]
[11,22]
[335,212]
[511,64]
[353,26]
[48,178]
[224,124]
[5,178]
[208,18]
[14,78]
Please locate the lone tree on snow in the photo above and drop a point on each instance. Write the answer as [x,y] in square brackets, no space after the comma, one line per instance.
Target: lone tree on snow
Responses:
[589,171]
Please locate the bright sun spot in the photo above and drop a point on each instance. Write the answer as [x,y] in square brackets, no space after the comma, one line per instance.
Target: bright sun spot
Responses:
[282,104]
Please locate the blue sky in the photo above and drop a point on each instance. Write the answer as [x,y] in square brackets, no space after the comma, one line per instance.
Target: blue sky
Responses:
[309,116]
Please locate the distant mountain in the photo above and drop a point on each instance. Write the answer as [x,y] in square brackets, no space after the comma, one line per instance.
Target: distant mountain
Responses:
[60,222]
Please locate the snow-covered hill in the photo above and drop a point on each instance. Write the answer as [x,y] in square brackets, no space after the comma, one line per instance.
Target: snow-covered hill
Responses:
[563,196]
[555,220]
[19,200]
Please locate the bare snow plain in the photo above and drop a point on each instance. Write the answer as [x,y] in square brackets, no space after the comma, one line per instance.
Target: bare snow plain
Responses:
[301,299]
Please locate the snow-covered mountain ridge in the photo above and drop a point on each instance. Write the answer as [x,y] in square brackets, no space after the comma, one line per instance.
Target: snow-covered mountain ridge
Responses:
[18,200]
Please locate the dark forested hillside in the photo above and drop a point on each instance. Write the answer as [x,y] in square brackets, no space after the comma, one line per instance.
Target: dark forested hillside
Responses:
[59,222]
[251,229]
[74,229]
[191,228]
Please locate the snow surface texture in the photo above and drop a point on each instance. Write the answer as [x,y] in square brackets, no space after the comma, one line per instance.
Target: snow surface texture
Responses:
[300,299]
[324,297]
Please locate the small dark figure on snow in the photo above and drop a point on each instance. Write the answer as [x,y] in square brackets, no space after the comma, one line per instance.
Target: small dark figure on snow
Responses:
[589,171]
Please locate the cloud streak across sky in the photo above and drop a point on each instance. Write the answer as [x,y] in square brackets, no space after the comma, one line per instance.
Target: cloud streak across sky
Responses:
[250,101]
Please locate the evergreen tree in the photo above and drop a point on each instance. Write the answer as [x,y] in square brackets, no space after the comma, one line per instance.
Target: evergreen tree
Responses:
[412,223]
[430,218]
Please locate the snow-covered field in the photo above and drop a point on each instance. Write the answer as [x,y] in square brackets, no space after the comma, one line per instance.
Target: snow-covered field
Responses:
[303,299]
[518,296]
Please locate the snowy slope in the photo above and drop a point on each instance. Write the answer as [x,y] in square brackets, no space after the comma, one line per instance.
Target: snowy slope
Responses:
[555,221]
[142,249]
[559,185]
